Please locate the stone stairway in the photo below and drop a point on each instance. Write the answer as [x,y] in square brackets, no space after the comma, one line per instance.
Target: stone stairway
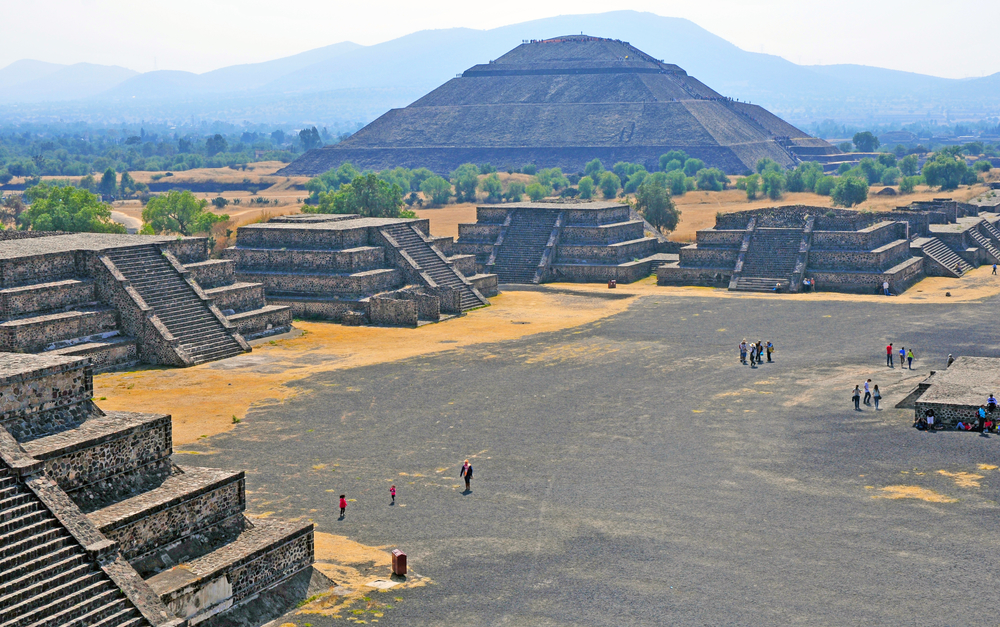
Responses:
[201,334]
[770,260]
[46,577]
[428,258]
[992,231]
[938,251]
[523,245]
[984,242]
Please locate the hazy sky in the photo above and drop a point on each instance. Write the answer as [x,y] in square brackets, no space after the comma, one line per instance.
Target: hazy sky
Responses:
[944,38]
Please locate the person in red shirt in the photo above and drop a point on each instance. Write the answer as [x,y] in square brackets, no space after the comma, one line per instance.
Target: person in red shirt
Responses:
[343,504]
[888,355]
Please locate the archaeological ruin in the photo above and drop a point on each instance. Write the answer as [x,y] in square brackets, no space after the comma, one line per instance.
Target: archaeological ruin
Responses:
[956,393]
[836,249]
[358,270]
[562,102]
[127,299]
[100,528]
[537,242]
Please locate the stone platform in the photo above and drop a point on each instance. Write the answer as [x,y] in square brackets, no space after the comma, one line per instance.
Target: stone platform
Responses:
[578,241]
[354,270]
[956,393]
[99,527]
[124,299]
[836,249]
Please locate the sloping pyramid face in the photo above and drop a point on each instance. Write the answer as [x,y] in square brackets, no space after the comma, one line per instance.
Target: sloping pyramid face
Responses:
[560,103]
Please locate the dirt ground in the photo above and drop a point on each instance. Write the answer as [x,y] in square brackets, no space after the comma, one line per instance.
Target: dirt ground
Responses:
[218,395]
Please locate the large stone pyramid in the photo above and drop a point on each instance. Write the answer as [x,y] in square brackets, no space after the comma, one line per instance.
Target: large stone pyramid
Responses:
[562,102]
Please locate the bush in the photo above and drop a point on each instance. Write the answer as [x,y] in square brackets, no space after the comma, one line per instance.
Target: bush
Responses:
[635,181]
[552,178]
[465,178]
[772,184]
[593,168]
[890,176]
[908,165]
[515,191]
[849,191]
[982,166]
[908,184]
[676,182]
[586,187]
[674,155]
[437,189]
[536,191]
[529,169]
[492,187]
[653,201]
[692,166]
[711,179]
[610,184]
[824,185]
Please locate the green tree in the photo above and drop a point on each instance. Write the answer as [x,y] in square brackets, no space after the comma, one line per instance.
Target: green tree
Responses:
[824,185]
[515,191]
[586,187]
[437,189]
[635,180]
[982,166]
[5,176]
[180,212]
[767,165]
[849,191]
[908,184]
[216,144]
[465,178]
[367,195]
[109,183]
[552,178]
[948,172]
[752,185]
[887,159]
[674,155]
[653,201]
[676,182]
[529,168]
[399,175]
[66,208]
[492,187]
[536,191]
[865,141]
[890,176]
[593,169]
[310,138]
[772,184]
[908,165]
[417,177]
[610,184]
[691,166]
[711,179]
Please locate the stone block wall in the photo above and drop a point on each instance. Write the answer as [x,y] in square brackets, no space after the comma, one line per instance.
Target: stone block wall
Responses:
[26,270]
[367,282]
[597,217]
[260,571]
[259,323]
[212,273]
[466,264]
[859,260]
[901,277]
[588,273]
[491,215]
[47,400]
[238,297]
[710,257]
[487,284]
[947,414]
[149,530]
[392,312]
[866,239]
[479,232]
[20,301]
[187,249]
[675,275]
[720,238]
[615,253]
[344,261]
[259,236]
[601,235]
[36,334]
[320,309]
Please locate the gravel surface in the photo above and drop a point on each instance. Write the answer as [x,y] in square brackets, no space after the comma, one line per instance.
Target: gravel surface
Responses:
[633,472]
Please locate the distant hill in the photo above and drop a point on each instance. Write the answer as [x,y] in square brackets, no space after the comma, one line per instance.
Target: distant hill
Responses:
[347,82]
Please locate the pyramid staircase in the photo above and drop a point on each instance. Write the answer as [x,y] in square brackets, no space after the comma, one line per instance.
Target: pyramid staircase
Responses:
[202,334]
[47,577]
[432,261]
[770,260]
[523,245]
[938,251]
[984,242]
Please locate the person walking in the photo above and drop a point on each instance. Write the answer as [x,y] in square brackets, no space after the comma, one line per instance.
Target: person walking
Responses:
[857,398]
[876,396]
[392,493]
[902,356]
[888,356]
[868,392]
[909,359]
[981,418]
[467,475]
[770,349]
[994,268]
[951,360]
[885,287]
[743,352]
[343,505]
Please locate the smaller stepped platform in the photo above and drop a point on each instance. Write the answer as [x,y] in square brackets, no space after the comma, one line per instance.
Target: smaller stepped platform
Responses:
[575,241]
[955,394]
[99,527]
[123,300]
[354,270]
[770,260]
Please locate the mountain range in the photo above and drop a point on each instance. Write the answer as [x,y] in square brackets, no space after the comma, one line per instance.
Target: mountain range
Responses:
[347,83]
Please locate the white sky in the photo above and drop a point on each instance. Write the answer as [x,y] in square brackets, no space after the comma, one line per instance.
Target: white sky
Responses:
[950,38]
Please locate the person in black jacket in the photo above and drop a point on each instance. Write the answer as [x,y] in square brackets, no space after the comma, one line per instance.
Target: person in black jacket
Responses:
[467,474]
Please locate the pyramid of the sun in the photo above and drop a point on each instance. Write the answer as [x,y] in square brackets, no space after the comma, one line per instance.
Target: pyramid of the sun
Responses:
[562,102]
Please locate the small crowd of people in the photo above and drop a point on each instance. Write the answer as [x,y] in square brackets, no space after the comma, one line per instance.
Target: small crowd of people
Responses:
[465,473]
[983,421]
[871,394]
[756,352]
[905,357]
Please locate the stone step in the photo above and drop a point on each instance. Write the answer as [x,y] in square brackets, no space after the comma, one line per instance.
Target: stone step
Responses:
[57,575]
[39,537]
[35,552]
[105,354]
[46,596]
[35,333]
[64,612]
[41,567]
[47,296]
[13,528]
